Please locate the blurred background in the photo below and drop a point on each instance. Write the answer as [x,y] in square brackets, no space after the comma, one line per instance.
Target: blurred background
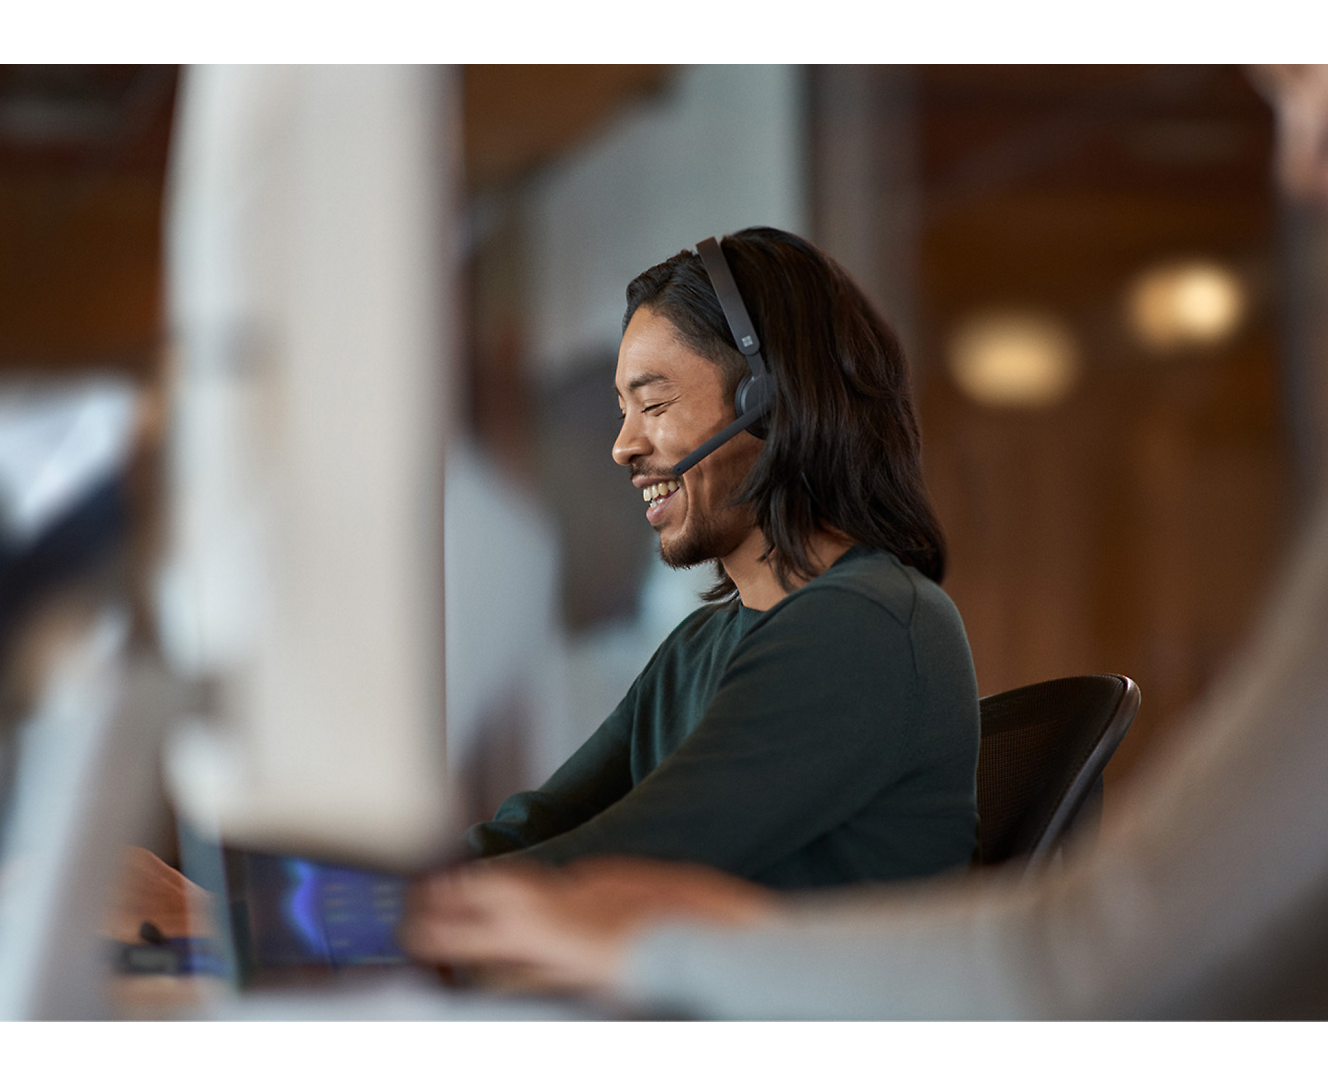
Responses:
[1086,265]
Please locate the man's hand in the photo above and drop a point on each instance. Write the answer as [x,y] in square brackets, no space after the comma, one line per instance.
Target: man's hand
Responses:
[541,929]
[152,890]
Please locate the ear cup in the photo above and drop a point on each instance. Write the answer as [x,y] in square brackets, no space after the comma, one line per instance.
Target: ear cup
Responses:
[751,394]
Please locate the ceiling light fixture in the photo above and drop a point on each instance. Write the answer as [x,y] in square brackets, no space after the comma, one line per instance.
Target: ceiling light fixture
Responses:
[1014,358]
[1186,303]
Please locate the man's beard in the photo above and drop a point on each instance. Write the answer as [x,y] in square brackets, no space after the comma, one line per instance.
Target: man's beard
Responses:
[706,537]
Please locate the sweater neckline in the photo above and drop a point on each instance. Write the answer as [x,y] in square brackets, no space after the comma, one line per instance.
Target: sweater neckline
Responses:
[748,615]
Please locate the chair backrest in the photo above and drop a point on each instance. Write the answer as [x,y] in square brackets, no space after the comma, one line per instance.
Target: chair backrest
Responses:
[1043,750]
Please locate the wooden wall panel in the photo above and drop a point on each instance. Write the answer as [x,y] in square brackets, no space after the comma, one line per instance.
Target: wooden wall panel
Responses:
[1134,526]
[80,270]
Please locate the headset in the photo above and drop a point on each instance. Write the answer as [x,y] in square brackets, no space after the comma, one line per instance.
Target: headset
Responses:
[756,392]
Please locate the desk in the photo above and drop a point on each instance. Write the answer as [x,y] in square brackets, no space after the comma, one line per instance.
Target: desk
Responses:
[153,890]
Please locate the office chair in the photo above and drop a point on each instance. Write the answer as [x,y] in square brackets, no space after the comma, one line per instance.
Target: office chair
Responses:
[1043,749]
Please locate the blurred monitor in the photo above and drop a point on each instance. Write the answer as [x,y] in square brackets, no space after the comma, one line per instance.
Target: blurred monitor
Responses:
[309,216]
[76,728]
[300,602]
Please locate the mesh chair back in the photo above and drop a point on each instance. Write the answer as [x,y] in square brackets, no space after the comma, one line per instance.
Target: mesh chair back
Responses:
[1043,751]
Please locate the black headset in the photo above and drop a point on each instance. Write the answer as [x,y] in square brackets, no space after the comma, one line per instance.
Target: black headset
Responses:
[756,392]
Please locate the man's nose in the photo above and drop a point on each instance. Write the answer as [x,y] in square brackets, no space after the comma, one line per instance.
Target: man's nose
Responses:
[631,441]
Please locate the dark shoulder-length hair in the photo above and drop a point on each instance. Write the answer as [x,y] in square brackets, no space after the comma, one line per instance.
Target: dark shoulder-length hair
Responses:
[842,449]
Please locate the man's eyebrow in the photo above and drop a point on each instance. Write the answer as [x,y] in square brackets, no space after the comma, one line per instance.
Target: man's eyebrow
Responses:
[640,381]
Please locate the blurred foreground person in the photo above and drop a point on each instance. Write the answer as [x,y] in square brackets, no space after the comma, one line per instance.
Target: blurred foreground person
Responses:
[1205,896]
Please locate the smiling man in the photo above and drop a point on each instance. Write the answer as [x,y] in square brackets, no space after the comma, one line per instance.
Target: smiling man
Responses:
[816,723]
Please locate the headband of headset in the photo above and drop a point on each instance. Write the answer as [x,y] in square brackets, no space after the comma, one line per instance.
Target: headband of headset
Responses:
[754,395]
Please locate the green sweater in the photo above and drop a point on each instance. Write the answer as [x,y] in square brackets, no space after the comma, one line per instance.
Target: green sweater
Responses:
[831,739]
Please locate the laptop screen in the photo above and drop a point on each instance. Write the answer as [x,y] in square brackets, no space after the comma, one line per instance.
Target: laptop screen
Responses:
[283,919]
[293,912]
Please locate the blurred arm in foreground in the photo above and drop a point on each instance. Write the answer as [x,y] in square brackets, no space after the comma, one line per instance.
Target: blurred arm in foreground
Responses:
[1204,897]
[566,929]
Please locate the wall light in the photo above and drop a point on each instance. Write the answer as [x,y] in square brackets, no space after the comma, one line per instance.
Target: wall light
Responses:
[1185,303]
[1012,358]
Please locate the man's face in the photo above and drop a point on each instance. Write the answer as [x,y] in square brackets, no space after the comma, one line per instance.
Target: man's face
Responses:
[673,400]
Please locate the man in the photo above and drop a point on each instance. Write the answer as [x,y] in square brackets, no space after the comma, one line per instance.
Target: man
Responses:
[1204,897]
[817,723]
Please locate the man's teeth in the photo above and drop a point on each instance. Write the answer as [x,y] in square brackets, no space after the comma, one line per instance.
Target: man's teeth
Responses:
[653,494]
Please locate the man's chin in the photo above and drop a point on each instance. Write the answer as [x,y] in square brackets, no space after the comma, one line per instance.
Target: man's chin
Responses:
[695,543]
[691,550]
[677,556]
[682,551]
[685,562]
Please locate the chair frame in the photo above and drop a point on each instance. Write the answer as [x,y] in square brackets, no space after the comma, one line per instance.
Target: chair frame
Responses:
[1087,777]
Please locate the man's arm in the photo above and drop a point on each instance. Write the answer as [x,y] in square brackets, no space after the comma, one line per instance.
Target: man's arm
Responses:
[597,775]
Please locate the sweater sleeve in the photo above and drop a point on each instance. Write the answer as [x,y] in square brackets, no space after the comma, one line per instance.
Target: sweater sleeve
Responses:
[597,775]
[816,713]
